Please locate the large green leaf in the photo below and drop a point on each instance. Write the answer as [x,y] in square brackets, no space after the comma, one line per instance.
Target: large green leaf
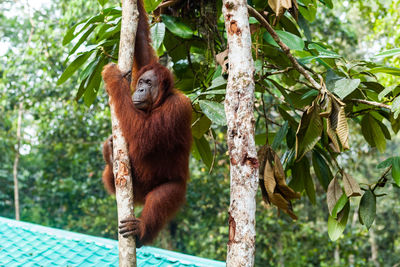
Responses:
[300,172]
[322,51]
[201,126]
[373,133]
[157,34]
[309,130]
[280,135]
[294,42]
[93,83]
[367,210]
[79,61]
[396,107]
[102,2]
[386,91]
[387,70]
[217,83]
[71,34]
[396,170]
[151,5]
[337,226]
[342,201]
[321,169]
[202,147]
[215,111]
[388,53]
[309,186]
[310,12]
[386,163]
[344,87]
[177,27]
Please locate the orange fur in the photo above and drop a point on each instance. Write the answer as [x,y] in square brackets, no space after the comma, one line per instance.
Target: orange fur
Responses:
[158,139]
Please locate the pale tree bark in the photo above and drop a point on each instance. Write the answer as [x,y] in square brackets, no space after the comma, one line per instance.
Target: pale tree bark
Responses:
[16,161]
[374,247]
[121,164]
[239,104]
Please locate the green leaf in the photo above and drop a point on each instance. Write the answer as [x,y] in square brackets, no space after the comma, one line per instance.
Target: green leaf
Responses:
[280,135]
[386,163]
[386,91]
[388,70]
[388,53]
[203,148]
[217,82]
[309,186]
[396,106]
[81,90]
[300,172]
[201,126]
[69,36]
[157,32]
[82,39]
[342,201]
[214,92]
[328,3]
[294,42]
[93,83]
[89,68]
[102,2]
[396,170]
[91,22]
[177,27]
[151,5]
[309,130]
[321,169]
[344,87]
[367,210]
[79,61]
[322,51]
[372,132]
[309,12]
[215,111]
[337,226]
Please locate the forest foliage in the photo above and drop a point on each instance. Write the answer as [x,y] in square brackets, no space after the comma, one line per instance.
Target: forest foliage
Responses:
[312,139]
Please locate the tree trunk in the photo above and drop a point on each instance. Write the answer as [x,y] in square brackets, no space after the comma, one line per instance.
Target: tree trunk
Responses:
[374,247]
[336,255]
[16,161]
[121,164]
[239,104]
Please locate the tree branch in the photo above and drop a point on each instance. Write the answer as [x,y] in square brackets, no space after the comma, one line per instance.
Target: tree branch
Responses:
[284,47]
[371,103]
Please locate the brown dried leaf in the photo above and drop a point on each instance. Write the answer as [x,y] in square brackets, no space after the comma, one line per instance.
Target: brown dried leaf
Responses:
[222,60]
[351,187]
[280,6]
[342,129]
[283,204]
[273,183]
[333,193]
[264,192]
[269,179]
[287,192]
[333,137]
[337,123]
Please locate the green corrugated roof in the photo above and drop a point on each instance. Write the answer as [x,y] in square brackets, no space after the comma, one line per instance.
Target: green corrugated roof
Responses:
[28,244]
